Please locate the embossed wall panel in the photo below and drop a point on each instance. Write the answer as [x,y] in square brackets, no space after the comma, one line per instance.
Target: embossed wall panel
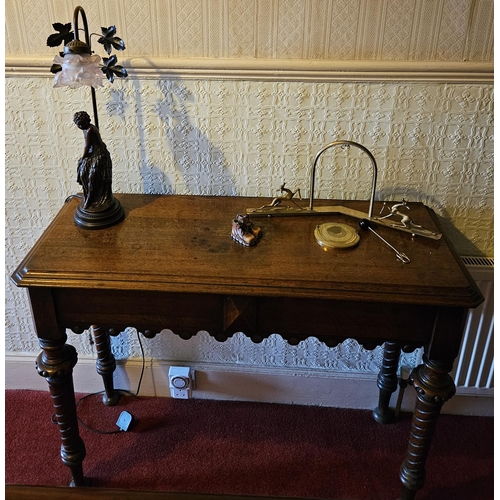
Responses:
[433,143]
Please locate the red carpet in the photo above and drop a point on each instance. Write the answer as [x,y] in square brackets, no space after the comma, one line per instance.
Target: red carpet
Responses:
[247,449]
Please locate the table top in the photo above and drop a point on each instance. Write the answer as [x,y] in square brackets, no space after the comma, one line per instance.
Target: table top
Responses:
[178,243]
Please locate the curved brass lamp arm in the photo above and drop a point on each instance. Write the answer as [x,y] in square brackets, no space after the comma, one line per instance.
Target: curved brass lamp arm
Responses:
[340,143]
[79,10]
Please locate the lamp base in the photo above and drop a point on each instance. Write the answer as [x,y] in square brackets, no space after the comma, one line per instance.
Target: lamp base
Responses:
[109,216]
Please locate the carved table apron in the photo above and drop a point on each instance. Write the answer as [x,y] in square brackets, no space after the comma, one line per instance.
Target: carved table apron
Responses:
[172,264]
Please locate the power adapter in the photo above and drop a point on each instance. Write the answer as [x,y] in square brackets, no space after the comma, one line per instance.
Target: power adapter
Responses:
[125,421]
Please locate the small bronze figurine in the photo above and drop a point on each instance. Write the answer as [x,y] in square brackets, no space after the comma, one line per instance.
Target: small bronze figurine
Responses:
[94,167]
[98,208]
[405,219]
[276,205]
[244,231]
[289,194]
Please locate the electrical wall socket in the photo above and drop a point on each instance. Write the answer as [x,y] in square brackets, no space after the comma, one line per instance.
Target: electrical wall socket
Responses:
[181,381]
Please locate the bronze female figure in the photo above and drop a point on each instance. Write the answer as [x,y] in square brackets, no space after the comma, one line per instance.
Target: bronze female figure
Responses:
[94,167]
[98,208]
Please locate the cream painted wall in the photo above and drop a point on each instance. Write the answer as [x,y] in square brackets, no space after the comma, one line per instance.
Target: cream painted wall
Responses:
[225,122]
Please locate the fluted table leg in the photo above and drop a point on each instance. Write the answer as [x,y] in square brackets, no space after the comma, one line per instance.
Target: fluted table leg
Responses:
[56,363]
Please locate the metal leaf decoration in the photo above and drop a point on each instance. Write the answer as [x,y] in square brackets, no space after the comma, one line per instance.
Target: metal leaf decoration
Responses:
[111,69]
[109,40]
[55,68]
[64,35]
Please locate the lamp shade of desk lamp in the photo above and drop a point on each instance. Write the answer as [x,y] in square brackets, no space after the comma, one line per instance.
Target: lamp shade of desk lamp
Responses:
[78,67]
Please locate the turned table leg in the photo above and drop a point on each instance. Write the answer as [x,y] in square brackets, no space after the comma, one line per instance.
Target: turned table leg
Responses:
[434,386]
[387,382]
[56,363]
[105,364]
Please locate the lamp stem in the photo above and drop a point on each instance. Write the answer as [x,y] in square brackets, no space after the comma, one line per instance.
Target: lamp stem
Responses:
[94,106]
[79,10]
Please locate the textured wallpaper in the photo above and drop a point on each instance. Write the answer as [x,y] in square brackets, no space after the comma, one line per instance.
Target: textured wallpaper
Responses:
[432,142]
[425,30]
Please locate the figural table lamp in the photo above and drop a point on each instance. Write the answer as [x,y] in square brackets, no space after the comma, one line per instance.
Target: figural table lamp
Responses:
[75,67]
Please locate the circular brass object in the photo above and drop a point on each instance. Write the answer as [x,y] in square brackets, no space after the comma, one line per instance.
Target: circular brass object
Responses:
[336,235]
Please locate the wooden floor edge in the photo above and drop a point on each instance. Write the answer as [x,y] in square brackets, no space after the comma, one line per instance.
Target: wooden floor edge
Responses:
[25,492]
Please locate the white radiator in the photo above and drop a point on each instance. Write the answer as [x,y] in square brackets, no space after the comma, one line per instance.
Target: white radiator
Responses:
[473,371]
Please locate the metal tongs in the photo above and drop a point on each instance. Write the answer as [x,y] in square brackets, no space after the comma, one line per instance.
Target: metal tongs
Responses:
[365,224]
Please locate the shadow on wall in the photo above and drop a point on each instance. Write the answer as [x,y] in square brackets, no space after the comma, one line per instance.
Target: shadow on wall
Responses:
[201,165]
[154,179]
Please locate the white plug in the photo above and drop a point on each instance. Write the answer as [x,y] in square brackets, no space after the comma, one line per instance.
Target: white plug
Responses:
[125,421]
[180,381]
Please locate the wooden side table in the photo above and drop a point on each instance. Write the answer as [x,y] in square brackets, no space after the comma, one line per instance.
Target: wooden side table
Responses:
[172,264]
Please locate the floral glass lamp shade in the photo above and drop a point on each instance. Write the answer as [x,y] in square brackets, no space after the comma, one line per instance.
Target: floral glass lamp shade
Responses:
[78,66]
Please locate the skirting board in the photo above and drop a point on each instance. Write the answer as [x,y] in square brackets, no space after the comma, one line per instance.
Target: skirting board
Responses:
[214,381]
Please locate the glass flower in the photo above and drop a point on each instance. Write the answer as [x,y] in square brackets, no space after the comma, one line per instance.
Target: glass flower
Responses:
[78,70]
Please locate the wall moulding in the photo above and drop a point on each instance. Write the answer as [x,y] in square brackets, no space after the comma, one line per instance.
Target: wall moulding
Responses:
[280,69]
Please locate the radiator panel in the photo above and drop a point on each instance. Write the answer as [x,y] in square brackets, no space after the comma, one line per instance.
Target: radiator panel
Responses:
[474,367]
